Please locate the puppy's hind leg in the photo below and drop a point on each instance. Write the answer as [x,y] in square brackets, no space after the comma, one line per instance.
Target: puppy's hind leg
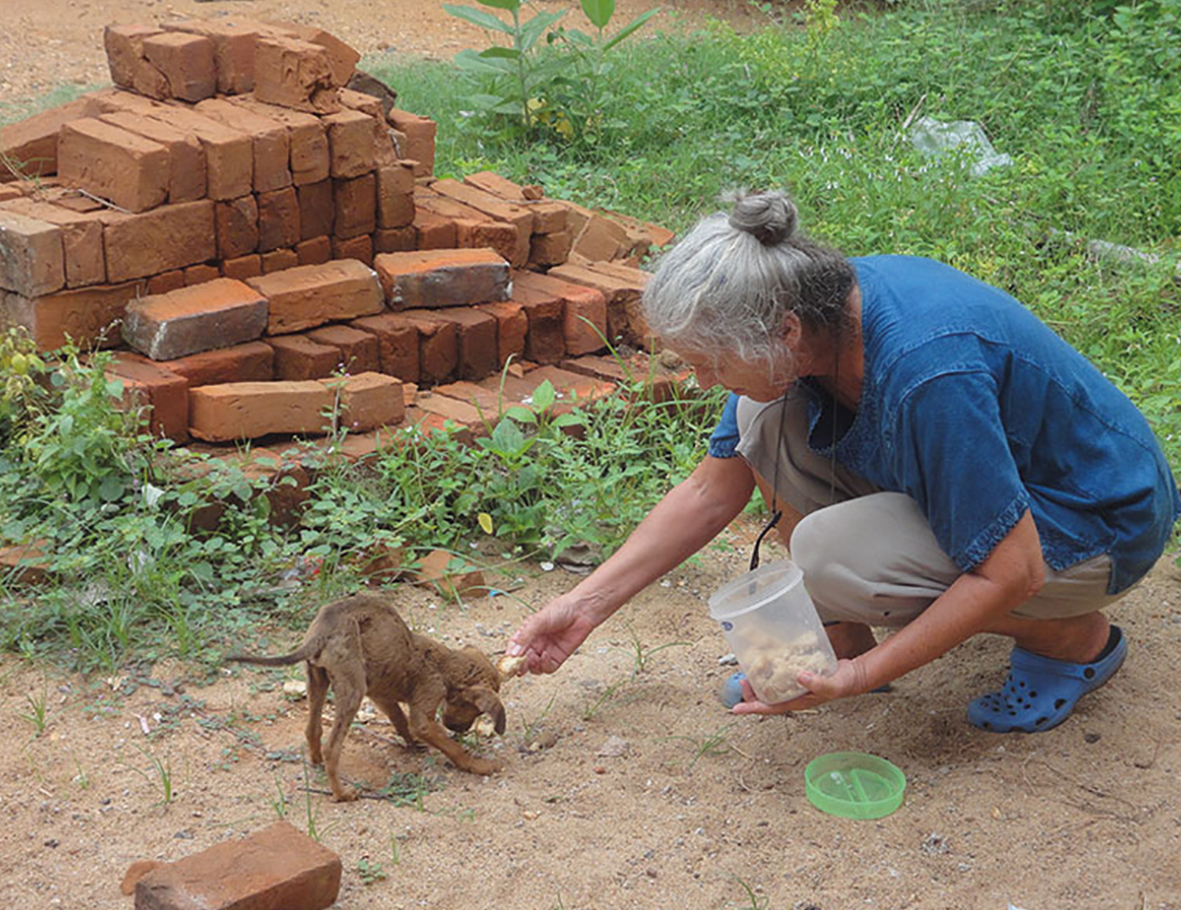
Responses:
[317,694]
[348,687]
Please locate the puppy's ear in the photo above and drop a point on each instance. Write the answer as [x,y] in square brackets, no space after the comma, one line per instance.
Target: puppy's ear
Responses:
[486,701]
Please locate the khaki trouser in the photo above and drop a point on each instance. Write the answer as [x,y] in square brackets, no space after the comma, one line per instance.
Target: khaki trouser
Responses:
[870,556]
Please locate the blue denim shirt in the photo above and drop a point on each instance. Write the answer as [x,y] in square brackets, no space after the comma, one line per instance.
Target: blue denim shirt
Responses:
[978,410]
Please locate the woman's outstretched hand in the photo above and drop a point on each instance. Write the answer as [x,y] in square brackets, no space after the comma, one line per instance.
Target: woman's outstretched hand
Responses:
[848,679]
[551,635]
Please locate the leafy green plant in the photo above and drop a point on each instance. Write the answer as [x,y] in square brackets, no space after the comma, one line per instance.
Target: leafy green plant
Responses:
[566,89]
[371,872]
[515,74]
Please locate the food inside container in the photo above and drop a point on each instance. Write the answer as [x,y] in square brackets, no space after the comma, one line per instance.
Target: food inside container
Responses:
[773,629]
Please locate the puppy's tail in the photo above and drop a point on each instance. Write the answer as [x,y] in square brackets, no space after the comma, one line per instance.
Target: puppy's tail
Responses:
[284,660]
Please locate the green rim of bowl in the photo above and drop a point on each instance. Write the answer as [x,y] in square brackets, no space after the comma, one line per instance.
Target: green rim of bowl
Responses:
[854,785]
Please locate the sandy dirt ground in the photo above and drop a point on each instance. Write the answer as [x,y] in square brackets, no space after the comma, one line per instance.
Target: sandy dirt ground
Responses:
[623,787]
[626,783]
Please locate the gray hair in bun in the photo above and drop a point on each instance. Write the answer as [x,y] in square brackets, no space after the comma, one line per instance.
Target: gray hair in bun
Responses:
[730,284]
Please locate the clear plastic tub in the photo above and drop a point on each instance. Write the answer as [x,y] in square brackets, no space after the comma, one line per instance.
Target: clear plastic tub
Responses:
[773,629]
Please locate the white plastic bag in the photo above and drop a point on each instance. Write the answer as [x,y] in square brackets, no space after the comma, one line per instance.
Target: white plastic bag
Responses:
[935,138]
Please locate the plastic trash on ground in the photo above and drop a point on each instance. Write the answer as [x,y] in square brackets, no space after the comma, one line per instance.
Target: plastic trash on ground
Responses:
[936,138]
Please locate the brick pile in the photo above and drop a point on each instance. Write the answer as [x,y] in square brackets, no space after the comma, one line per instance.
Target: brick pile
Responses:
[243,225]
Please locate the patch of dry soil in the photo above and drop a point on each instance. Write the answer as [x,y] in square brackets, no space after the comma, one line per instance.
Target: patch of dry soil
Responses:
[619,792]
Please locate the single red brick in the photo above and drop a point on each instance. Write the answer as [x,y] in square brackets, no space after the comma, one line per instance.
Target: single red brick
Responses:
[242,267]
[237,226]
[519,216]
[182,322]
[233,53]
[253,361]
[249,410]
[299,357]
[397,344]
[81,237]
[311,295]
[186,157]
[342,58]
[198,274]
[420,139]
[473,228]
[623,288]
[26,564]
[438,346]
[278,220]
[32,255]
[29,146]
[548,216]
[550,249]
[657,383]
[168,281]
[186,61]
[476,334]
[317,209]
[585,308]
[512,328]
[358,351]
[359,248]
[229,153]
[355,206]
[490,403]
[351,144]
[369,400]
[167,393]
[441,278]
[308,139]
[129,170]
[294,74]
[124,45]
[434,232]
[394,210]
[275,867]
[454,410]
[270,141]
[546,312]
[279,260]
[86,315]
[395,240]
[315,251]
[170,237]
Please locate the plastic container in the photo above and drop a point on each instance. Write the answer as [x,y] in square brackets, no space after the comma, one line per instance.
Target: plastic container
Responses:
[773,629]
[854,785]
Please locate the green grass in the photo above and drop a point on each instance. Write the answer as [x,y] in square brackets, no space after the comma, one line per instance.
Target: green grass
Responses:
[1087,105]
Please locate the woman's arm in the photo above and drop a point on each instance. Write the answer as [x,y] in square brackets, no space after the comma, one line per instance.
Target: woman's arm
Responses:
[686,519]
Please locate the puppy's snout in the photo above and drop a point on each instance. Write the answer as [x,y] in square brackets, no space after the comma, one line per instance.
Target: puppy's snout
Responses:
[459,718]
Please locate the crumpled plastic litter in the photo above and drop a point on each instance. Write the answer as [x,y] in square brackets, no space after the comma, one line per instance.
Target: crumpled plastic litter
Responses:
[936,138]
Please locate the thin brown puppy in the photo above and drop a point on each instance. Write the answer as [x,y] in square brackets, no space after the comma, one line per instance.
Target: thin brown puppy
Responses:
[360,646]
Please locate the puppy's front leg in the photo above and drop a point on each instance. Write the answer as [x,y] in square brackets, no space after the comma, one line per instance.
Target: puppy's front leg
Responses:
[424,726]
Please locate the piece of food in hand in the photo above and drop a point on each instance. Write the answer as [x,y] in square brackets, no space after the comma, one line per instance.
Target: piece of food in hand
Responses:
[511,666]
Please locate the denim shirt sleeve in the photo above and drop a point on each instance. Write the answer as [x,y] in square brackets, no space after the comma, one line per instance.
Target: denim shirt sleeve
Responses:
[951,454]
[723,442]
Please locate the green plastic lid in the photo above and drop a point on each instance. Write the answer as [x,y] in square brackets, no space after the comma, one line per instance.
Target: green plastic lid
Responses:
[854,785]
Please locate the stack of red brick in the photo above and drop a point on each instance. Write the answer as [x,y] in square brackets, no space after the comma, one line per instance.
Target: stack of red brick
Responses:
[241,225]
